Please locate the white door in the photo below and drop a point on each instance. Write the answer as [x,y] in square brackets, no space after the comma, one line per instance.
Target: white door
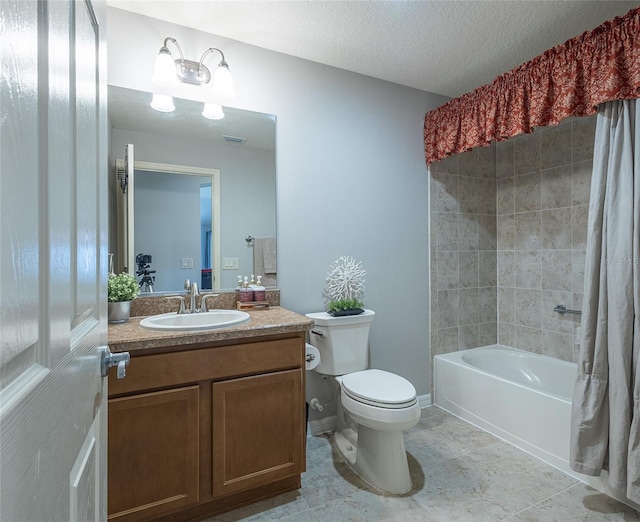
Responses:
[53,255]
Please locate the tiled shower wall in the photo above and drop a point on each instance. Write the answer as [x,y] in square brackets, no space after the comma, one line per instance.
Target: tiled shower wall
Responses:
[543,185]
[508,232]
[463,251]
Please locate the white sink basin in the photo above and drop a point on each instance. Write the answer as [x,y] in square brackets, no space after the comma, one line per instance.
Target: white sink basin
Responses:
[198,321]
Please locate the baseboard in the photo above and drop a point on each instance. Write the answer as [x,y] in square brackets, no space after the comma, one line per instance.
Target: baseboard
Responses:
[425,401]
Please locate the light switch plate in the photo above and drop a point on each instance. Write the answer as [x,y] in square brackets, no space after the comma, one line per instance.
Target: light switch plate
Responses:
[229,263]
[187,262]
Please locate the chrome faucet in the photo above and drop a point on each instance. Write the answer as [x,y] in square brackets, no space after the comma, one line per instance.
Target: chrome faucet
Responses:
[182,309]
[193,290]
[203,301]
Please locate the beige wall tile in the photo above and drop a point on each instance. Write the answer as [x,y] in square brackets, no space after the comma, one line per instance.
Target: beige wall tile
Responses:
[555,229]
[507,334]
[555,187]
[527,231]
[468,307]
[468,194]
[557,270]
[447,269]
[506,232]
[529,339]
[528,269]
[446,230]
[487,268]
[511,214]
[528,308]
[505,196]
[448,165]
[468,269]
[581,182]
[487,232]
[468,336]
[468,232]
[505,159]
[446,315]
[487,304]
[579,220]
[527,154]
[506,268]
[507,305]
[527,192]
[487,333]
[468,163]
[446,193]
[557,345]
[487,163]
[583,137]
[555,146]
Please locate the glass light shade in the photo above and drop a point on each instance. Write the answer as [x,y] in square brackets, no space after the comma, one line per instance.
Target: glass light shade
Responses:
[163,103]
[164,70]
[212,111]
[223,83]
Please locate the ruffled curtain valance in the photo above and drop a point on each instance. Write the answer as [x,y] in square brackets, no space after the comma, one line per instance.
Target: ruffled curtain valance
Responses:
[571,79]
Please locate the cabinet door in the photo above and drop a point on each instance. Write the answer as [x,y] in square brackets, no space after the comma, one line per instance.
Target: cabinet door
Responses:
[153,453]
[258,431]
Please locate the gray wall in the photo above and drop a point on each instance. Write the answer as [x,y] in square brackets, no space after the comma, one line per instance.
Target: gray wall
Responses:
[351,177]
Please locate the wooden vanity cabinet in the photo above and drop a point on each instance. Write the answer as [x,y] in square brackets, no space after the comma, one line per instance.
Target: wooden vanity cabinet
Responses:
[206,429]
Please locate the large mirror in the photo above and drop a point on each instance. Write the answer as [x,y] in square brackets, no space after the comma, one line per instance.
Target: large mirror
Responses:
[200,198]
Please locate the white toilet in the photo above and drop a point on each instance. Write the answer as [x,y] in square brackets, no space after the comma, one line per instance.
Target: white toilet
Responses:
[374,406]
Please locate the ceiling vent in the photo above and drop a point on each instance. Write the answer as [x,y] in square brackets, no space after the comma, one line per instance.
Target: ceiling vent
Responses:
[234,139]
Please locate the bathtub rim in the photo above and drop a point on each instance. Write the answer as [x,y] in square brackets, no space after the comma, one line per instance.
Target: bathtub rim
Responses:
[457,359]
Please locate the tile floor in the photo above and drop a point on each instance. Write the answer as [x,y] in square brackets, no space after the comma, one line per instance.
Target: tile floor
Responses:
[460,473]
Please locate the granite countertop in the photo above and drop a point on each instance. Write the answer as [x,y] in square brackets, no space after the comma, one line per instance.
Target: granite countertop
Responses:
[131,336]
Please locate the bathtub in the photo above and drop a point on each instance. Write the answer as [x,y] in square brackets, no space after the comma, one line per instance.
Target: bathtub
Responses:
[521,397]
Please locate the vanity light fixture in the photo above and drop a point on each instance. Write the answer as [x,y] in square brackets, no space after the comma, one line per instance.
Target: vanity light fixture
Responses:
[163,103]
[213,111]
[168,73]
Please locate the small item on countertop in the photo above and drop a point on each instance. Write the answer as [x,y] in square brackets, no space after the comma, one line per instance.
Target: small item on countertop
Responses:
[246,293]
[259,291]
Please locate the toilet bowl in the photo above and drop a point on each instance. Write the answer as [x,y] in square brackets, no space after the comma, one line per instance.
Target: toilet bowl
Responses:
[374,406]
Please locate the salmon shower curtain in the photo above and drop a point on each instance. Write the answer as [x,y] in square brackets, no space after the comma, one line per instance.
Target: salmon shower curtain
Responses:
[605,419]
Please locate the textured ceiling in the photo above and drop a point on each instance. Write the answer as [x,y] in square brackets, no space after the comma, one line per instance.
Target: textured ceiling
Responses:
[447,47]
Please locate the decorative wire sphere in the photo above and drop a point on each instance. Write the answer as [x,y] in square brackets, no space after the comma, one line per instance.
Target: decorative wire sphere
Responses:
[345,279]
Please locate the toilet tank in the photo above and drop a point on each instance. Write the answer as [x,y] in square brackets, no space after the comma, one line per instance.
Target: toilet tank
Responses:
[343,342]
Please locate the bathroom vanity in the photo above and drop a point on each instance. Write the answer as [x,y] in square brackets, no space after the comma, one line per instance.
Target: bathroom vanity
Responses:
[208,421]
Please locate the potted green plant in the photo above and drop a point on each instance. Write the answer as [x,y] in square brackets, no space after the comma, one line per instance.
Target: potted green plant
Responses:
[345,287]
[121,290]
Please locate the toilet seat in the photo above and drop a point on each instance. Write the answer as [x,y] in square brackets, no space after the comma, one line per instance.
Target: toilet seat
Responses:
[379,388]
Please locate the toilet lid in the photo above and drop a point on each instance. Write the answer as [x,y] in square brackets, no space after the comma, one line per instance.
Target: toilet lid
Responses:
[379,388]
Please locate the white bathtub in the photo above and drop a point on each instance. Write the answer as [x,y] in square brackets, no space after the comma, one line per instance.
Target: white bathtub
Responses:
[521,397]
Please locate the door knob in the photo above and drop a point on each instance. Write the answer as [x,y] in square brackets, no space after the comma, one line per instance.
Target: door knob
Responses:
[109,360]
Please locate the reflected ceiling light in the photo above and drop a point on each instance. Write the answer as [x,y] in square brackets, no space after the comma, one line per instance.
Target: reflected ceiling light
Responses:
[163,103]
[213,111]
[168,72]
